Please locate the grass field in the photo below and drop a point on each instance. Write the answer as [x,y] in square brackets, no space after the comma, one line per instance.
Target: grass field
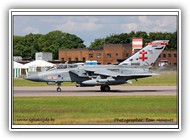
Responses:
[93,110]
[166,78]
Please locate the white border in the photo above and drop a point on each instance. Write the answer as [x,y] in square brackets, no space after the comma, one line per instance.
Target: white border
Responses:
[122,127]
[95,12]
[138,12]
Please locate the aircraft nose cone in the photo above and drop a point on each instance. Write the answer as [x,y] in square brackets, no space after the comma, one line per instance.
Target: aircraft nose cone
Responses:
[34,77]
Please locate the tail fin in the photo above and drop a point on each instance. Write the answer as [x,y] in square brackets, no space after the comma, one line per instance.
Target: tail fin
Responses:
[147,55]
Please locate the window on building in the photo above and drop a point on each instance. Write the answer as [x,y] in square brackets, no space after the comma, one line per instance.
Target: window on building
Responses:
[127,54]
[83,59]
[76,59]
[70,59]
[116,55]
[109,55]
[169,55]
[90,55]
[175,64]
[98,55]
[62,59]
[175,55]
[164,55]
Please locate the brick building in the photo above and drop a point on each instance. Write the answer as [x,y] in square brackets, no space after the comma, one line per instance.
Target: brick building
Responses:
[108,55]
[112,53]
[167,58]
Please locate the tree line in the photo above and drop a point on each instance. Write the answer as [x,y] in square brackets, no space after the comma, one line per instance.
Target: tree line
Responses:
[26,46]
[125,38]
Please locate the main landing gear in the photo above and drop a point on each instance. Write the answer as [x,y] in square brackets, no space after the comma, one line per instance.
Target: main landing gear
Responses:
[105,88]
[59,87]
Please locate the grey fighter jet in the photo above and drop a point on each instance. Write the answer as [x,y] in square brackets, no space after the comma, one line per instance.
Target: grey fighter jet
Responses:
[136,66]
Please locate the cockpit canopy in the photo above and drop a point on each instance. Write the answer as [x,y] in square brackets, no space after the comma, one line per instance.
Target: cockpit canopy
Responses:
[66,66]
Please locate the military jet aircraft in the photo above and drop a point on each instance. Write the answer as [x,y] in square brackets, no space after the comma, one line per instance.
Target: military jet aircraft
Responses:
[134,67]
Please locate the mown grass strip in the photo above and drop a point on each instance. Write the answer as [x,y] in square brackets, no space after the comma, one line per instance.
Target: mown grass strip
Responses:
[92,110]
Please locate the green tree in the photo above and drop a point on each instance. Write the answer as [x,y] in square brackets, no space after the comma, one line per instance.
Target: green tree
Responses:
[27,46]
[18,45]
[55,40]
[31,45]
[125,38]
[97,44]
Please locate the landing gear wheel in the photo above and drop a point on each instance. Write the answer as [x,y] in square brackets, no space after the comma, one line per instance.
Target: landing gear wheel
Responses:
[105,88]
[58,89]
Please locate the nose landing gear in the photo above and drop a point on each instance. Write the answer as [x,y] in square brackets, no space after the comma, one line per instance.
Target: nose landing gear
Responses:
[59,87]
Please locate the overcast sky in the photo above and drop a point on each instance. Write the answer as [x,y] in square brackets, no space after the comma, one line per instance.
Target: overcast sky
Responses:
[89,28]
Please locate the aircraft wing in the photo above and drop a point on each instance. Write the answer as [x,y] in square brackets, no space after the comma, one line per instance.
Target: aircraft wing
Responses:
[143,74]
[106,72]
